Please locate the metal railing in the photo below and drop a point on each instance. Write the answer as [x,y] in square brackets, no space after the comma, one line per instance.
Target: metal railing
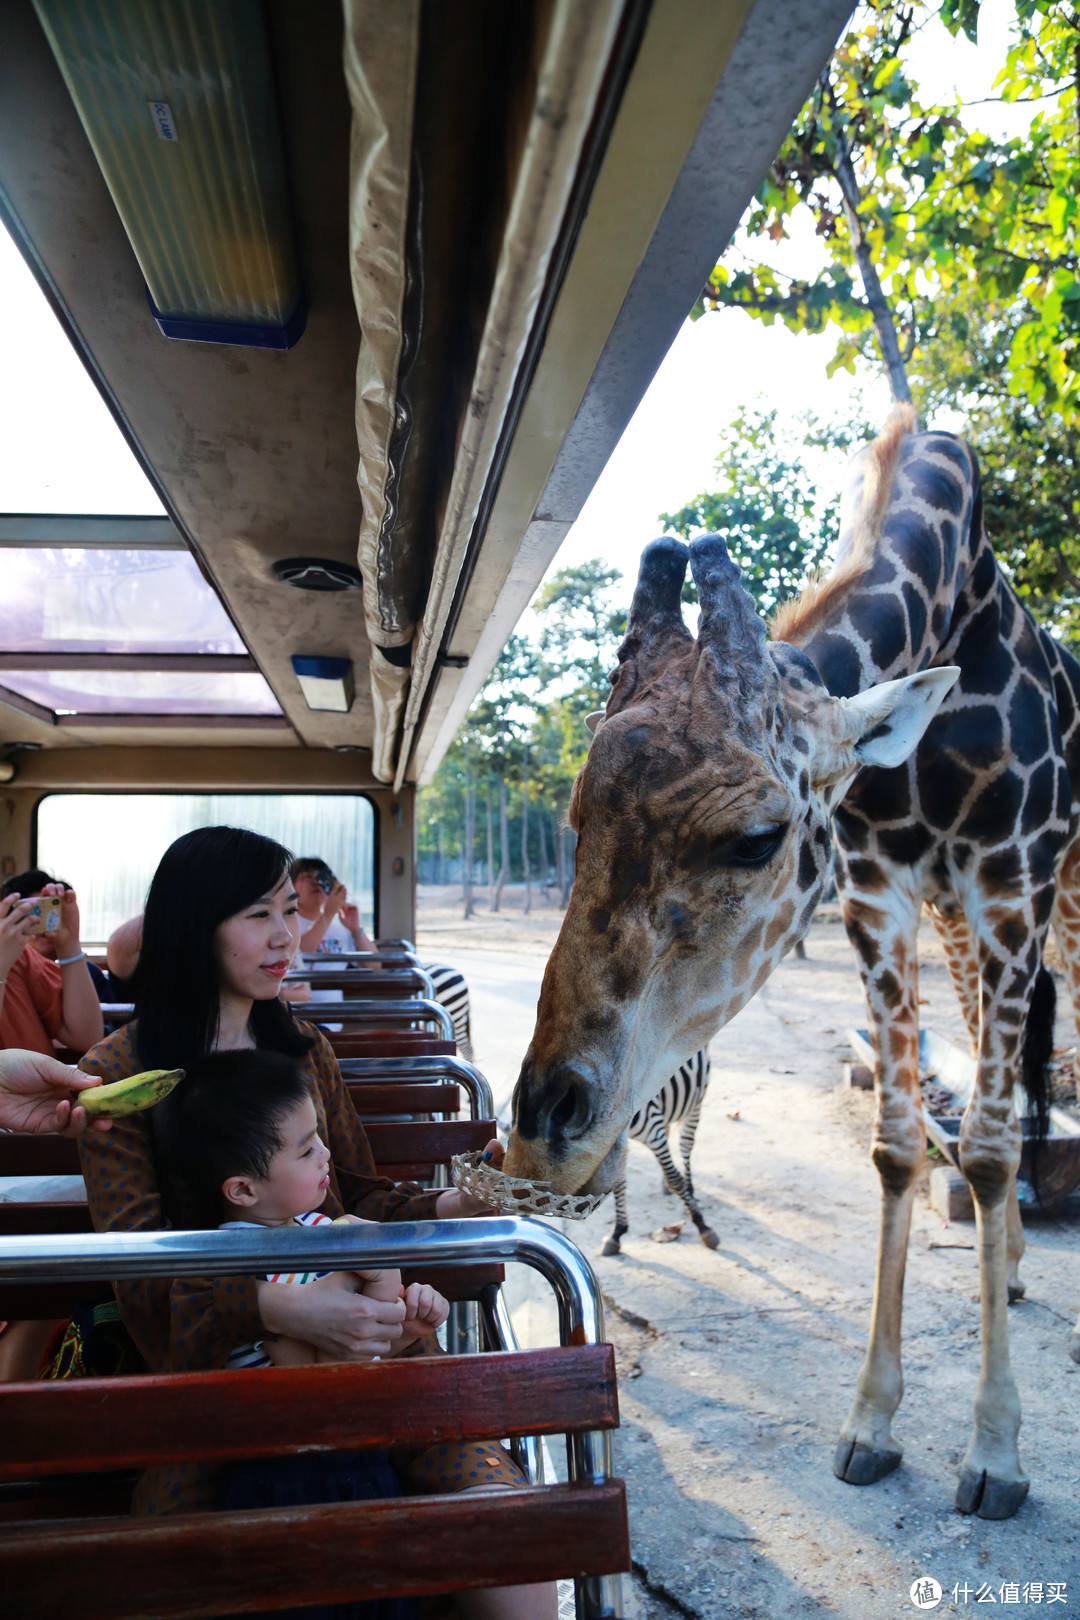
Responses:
[418,1011]
[422,983]
[391,955]
[122,1256]
[435,1067]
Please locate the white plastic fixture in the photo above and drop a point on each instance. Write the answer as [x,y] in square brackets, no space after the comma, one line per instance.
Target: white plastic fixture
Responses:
[327,683]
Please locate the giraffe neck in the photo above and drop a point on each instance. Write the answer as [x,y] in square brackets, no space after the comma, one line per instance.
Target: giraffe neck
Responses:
[931,571]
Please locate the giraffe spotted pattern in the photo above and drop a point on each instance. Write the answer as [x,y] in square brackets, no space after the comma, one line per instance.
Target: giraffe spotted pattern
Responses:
[910,711]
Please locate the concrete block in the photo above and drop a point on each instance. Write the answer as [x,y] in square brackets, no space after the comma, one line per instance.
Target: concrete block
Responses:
[950,1195]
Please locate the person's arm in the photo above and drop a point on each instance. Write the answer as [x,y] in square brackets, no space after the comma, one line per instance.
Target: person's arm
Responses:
[81,1023]
[315,931]
[34,1095]
[363,1191]
[17,926]
[329,1314]
[122,951]
[425,1312]
[350,916]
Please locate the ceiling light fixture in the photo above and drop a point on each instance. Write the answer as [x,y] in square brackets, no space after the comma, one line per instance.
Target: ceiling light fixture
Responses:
[177,101]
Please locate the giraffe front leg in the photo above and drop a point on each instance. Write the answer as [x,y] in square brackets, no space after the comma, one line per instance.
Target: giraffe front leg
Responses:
[885,941]
[1015,1244]
[992,1482]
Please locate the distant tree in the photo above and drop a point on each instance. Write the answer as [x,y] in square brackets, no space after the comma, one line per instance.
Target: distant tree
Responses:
[776,524]
[913,203]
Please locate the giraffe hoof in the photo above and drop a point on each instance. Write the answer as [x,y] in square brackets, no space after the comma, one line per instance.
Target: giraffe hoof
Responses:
[1016,1292]
[988,1497]
[1074,1345]
[709,1238]
[857,1464]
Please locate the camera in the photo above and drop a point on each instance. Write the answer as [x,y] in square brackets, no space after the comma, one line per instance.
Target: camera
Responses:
[325,879]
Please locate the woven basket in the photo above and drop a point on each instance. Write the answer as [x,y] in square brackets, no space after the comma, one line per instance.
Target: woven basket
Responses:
[512,1195]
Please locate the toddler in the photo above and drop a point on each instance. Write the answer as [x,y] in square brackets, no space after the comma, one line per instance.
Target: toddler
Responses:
[238,1137]
[238,1145]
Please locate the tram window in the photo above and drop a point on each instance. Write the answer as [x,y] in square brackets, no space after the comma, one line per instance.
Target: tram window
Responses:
[107,845]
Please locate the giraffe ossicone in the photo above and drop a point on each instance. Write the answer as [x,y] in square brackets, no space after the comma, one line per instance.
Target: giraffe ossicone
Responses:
[908,712]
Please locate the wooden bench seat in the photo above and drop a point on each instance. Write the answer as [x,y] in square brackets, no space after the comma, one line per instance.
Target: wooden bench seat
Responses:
[224,1563]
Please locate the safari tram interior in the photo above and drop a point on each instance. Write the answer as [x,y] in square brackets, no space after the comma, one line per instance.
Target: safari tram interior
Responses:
[371,292]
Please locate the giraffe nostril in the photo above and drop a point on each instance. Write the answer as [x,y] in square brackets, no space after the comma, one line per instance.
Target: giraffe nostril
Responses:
[571,1113]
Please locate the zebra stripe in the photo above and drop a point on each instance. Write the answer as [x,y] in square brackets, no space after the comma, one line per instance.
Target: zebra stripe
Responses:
[678,1101]
[452,992]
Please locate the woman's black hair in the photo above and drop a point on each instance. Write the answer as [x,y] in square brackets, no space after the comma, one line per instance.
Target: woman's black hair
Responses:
[202,879]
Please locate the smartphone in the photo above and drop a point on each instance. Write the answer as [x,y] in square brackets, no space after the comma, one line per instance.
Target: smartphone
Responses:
[326,880]
[46,909]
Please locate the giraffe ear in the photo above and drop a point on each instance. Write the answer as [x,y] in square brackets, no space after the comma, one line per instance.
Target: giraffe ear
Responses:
[886,724]
[594,719]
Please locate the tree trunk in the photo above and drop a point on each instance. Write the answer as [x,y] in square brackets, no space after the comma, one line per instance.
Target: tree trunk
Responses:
[560,851]
[884,325]
[441,867]
[470,838]
[545,863]
[490,845]
[504,844]
[525,826]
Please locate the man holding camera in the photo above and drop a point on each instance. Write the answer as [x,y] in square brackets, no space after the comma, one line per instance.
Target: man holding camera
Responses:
[45,1004]
[331,922]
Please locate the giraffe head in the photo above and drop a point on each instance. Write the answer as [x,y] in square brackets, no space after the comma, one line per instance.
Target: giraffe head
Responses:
[702,816]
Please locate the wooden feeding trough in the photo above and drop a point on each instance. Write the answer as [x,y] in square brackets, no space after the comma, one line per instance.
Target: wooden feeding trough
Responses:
[1048,1173]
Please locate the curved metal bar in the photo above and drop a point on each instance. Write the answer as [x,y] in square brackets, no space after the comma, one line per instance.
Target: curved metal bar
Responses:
[421,1010]
[117,1256]
[421,983]
[393,958]
[435,1067]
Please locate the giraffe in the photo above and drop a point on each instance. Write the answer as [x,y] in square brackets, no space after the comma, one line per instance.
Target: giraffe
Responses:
[723,772]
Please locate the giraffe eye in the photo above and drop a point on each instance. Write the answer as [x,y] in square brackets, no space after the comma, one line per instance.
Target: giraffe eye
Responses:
[752,848]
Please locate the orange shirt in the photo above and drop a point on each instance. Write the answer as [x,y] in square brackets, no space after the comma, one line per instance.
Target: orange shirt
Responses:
[32,1011]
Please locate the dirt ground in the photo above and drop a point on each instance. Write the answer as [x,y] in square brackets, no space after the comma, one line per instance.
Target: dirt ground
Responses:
[736,1366]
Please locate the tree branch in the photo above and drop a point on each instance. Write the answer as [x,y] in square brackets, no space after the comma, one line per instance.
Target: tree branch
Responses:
[875,296]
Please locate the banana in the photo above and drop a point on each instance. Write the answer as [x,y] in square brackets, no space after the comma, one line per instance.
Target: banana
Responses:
[128,1096]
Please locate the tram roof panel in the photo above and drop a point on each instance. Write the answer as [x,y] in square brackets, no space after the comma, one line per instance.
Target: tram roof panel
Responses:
[499,219]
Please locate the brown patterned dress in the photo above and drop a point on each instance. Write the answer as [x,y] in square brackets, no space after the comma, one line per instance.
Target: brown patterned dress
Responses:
[191,1323]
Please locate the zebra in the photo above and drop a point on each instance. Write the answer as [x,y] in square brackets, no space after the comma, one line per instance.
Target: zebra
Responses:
[452,992]
[679,1098]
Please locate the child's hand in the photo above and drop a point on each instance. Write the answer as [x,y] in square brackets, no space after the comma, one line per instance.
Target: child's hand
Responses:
[425,1311]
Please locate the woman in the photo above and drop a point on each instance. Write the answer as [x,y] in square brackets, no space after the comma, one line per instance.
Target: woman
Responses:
[43,1003]
[220,929]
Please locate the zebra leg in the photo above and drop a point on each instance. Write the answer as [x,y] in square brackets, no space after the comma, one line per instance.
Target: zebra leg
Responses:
[613,1242]
[692,1117]
[681,1185]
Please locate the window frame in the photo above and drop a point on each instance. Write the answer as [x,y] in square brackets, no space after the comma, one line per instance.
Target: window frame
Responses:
[236,793]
